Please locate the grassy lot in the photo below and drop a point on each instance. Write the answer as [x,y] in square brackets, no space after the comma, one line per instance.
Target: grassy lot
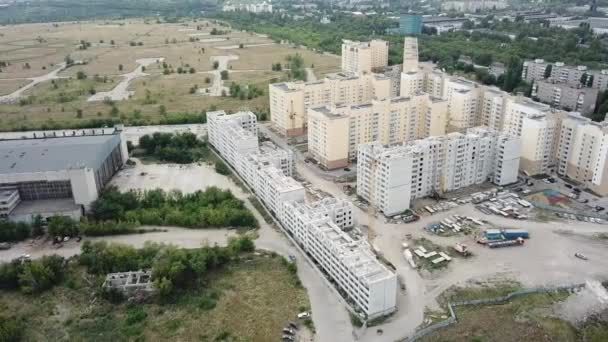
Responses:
[525,318]
[254,298]
[9,86]
[35,49]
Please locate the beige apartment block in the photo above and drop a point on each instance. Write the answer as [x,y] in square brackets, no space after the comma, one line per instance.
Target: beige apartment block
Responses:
[583,152]
[334,132]
[290,100]
[462,96]
[364,57]
[410,54]
[492,106]
[538,127]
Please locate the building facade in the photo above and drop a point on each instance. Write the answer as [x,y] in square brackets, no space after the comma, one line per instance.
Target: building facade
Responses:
[364,57]
[410,24]
[318,228]
[583,152]
[335,132]
[391,177]
[289,101]
[61,166]
[560,94]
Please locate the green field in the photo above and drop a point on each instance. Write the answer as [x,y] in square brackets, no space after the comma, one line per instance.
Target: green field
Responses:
[256,297]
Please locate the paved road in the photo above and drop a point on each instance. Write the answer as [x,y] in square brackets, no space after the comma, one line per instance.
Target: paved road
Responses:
[14,96]
[217,84]
[120,91]
[330,317]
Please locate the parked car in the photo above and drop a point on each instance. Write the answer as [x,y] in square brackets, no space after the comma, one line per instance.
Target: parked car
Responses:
[293,325]
[546,181]
[346,169]
[576,189]
[568,186]
[580,256]
[304,314]
[287,338]
[598,208]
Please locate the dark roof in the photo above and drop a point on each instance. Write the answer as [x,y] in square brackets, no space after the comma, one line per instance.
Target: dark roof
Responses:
[55,154]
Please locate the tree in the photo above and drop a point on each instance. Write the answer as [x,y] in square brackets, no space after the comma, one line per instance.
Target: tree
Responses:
[224,74]
[162,110]
[119,67]
[548,70]
[216,65]
[241,46]
[79,113]
[80,75]
[191,70]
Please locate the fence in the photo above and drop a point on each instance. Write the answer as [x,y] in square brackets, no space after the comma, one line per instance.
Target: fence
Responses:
[501,299]
[568,211]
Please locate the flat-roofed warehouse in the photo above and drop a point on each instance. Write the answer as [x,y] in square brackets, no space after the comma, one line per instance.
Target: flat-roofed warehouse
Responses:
[62,165]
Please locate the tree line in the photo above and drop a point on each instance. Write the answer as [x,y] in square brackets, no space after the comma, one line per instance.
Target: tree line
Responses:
[212,207]
[181,148]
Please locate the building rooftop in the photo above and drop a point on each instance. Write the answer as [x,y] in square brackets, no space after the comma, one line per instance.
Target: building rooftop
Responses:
[327,112]
[55,154]
[356,255]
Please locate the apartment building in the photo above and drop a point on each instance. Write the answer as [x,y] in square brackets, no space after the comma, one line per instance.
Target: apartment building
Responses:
[492,106]
[538,127]
[569,74]
[583,152]
[390,177]
[335,132]
[412,82]
[462,97]
[534,70]
[561,94]
[410,54]
[572,75]
[351,264]
[289,101]
[317,227]
[364,57]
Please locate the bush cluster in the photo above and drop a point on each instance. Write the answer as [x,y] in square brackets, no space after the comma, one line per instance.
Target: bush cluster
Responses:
[210,208]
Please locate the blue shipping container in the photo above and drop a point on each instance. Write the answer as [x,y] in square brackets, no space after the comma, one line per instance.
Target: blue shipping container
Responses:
[493,234]
[512,234]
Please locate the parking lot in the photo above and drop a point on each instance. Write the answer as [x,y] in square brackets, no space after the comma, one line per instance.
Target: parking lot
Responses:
[546,259]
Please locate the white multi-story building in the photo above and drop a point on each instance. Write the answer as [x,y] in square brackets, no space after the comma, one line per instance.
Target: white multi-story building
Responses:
[364,57]
[583,152]
[391,177]
[534,70]
[318,227]
[260,7]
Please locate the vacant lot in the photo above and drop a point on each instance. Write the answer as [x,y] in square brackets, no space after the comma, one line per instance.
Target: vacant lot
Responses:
[110,49]
[256,297]
[526,318]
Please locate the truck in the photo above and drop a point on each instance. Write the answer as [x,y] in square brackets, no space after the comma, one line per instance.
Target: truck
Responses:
[506,243]
[512,234]
[461,248]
